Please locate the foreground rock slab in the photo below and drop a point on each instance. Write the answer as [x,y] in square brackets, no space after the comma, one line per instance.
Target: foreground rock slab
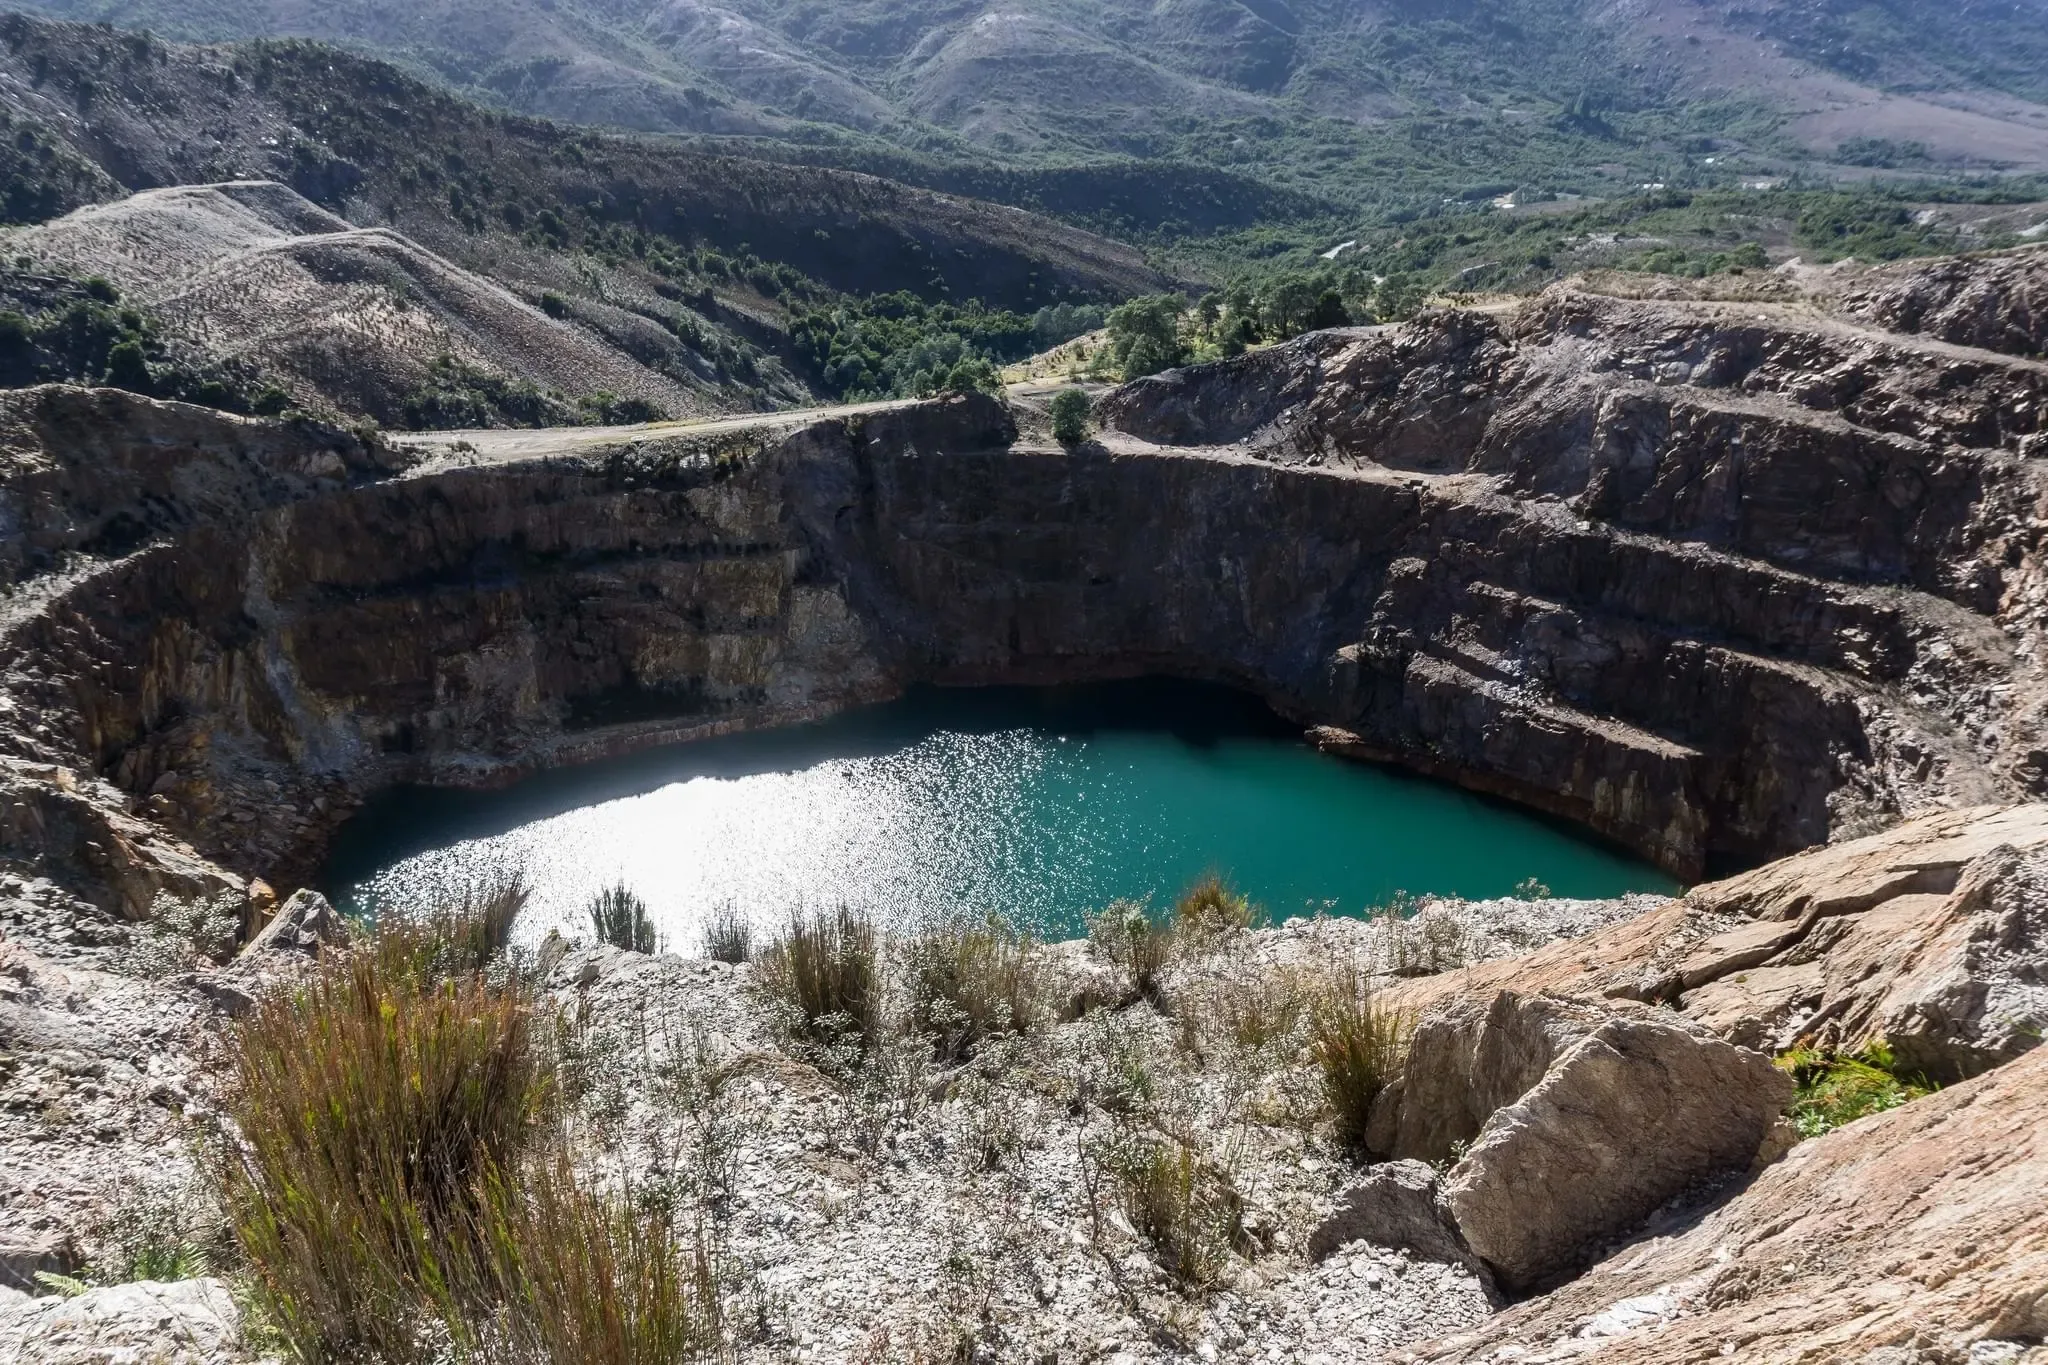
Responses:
[1916,1235]
[1630,1118]
[1931,937]
[191,1322]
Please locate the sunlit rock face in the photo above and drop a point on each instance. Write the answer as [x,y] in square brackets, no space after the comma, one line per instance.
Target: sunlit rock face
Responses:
[1716,582]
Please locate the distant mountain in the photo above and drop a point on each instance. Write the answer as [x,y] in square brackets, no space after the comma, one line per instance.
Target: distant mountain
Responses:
[292,219]
[1347,99]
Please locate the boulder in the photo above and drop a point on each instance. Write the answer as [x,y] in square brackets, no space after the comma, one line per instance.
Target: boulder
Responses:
[189,1322]
[1466,1059]
[1632,1116]
[23,1254]
[1918,1234]
[306,924]
[1395,1205]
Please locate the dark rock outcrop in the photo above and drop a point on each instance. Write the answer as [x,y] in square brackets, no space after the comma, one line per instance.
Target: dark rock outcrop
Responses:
[1720,582]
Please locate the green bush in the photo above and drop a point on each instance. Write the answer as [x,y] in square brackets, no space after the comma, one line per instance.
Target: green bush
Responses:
[1070,410]
[1835,1089]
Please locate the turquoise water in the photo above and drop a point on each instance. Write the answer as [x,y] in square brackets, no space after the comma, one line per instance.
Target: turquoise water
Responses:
[1036,804]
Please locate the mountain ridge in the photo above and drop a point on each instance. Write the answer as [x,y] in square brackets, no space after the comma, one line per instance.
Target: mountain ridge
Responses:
[1308,87]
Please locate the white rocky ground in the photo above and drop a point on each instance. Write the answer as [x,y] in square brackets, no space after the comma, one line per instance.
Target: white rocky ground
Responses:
[913,1212]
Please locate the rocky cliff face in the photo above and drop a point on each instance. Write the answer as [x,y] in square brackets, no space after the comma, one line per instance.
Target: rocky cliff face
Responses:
[1720,582]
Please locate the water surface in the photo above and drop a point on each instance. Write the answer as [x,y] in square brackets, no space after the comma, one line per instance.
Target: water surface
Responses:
[1039,805]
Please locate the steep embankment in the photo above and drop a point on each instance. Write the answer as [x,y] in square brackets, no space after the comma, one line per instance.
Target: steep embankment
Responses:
[342,317]
[1719,583]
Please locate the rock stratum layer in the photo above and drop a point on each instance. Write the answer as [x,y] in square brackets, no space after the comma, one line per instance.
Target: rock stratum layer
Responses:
[1718,581]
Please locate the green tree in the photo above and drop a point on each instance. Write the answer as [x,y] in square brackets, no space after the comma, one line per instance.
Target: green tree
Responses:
[1399,299]
[1070,410]
[128,368]
[1144,335]
[1328,312]
[1289,306]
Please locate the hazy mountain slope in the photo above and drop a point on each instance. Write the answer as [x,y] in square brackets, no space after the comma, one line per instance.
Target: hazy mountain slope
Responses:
[1266,85]
[365,140]
[1926,93]
[350,319]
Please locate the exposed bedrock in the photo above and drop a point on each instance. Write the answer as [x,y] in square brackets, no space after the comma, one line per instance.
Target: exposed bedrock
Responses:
[1717,583]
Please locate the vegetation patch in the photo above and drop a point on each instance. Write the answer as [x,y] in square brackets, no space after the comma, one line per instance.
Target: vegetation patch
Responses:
[1358,1046]
[60,329]
[1839,1088]
[823,978]
[622,919]
[971,982]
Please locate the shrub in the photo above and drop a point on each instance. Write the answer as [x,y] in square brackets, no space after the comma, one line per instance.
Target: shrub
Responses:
[970,983]
[1125,936]
[1179,1202]
[461,936]
[1070,409]
[1357,1046]
[1212,904]
[1421,941]
[1837,1089]
[620,918]
[368,1107]
[1256,1012]
[821,975]
[181,935]
[589,1277]
[159,1230]
[728,935]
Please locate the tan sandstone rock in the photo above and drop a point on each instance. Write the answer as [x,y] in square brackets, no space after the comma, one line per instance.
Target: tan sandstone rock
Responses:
[1932,936]
[1914,1235]
[1634,1115]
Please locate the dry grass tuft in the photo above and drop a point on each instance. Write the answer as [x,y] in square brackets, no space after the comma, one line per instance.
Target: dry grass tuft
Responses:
[824,978]
[1187,1209]
[367,1106]
[587,1277]
[1212,905]
[1358,1046]
[370,1116]
[459,937]
[728,935]
[620,918]
[969,983]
